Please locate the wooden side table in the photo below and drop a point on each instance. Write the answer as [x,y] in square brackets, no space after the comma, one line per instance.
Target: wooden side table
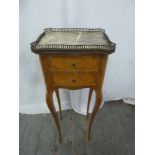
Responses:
[73,58]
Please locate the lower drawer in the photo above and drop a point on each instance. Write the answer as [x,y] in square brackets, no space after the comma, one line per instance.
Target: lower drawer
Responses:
[74,79]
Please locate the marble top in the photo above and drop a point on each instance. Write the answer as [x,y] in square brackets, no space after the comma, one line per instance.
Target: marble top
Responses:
[72,38]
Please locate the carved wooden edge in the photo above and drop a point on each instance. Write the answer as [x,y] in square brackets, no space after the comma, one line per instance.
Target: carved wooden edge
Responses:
[58,48]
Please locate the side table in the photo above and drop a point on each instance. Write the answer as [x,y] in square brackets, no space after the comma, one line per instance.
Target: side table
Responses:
[73,58]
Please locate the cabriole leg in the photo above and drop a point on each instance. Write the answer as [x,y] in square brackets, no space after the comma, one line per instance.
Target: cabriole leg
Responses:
[50,103]
[89,99]
[59,102]
[95,110]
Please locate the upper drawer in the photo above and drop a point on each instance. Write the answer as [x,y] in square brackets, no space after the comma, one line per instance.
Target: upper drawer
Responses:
[73,63]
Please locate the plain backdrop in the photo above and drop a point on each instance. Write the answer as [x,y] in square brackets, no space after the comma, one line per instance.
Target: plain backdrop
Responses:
[115,16]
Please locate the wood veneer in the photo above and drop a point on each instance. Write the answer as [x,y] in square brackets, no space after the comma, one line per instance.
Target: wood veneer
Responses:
[61,75]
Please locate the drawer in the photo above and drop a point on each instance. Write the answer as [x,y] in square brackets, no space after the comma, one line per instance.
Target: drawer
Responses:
[67,79]
[66,63]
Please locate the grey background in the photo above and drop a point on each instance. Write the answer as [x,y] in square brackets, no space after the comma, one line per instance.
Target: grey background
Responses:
[115,16]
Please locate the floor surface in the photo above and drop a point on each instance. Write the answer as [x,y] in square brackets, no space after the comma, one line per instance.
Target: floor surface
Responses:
[113,132]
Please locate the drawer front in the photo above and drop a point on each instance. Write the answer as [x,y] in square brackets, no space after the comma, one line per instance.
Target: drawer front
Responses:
[62,79]
[66,63]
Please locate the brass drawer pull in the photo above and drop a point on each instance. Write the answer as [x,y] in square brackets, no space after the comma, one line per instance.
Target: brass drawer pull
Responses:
[73,65]
[73,81]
